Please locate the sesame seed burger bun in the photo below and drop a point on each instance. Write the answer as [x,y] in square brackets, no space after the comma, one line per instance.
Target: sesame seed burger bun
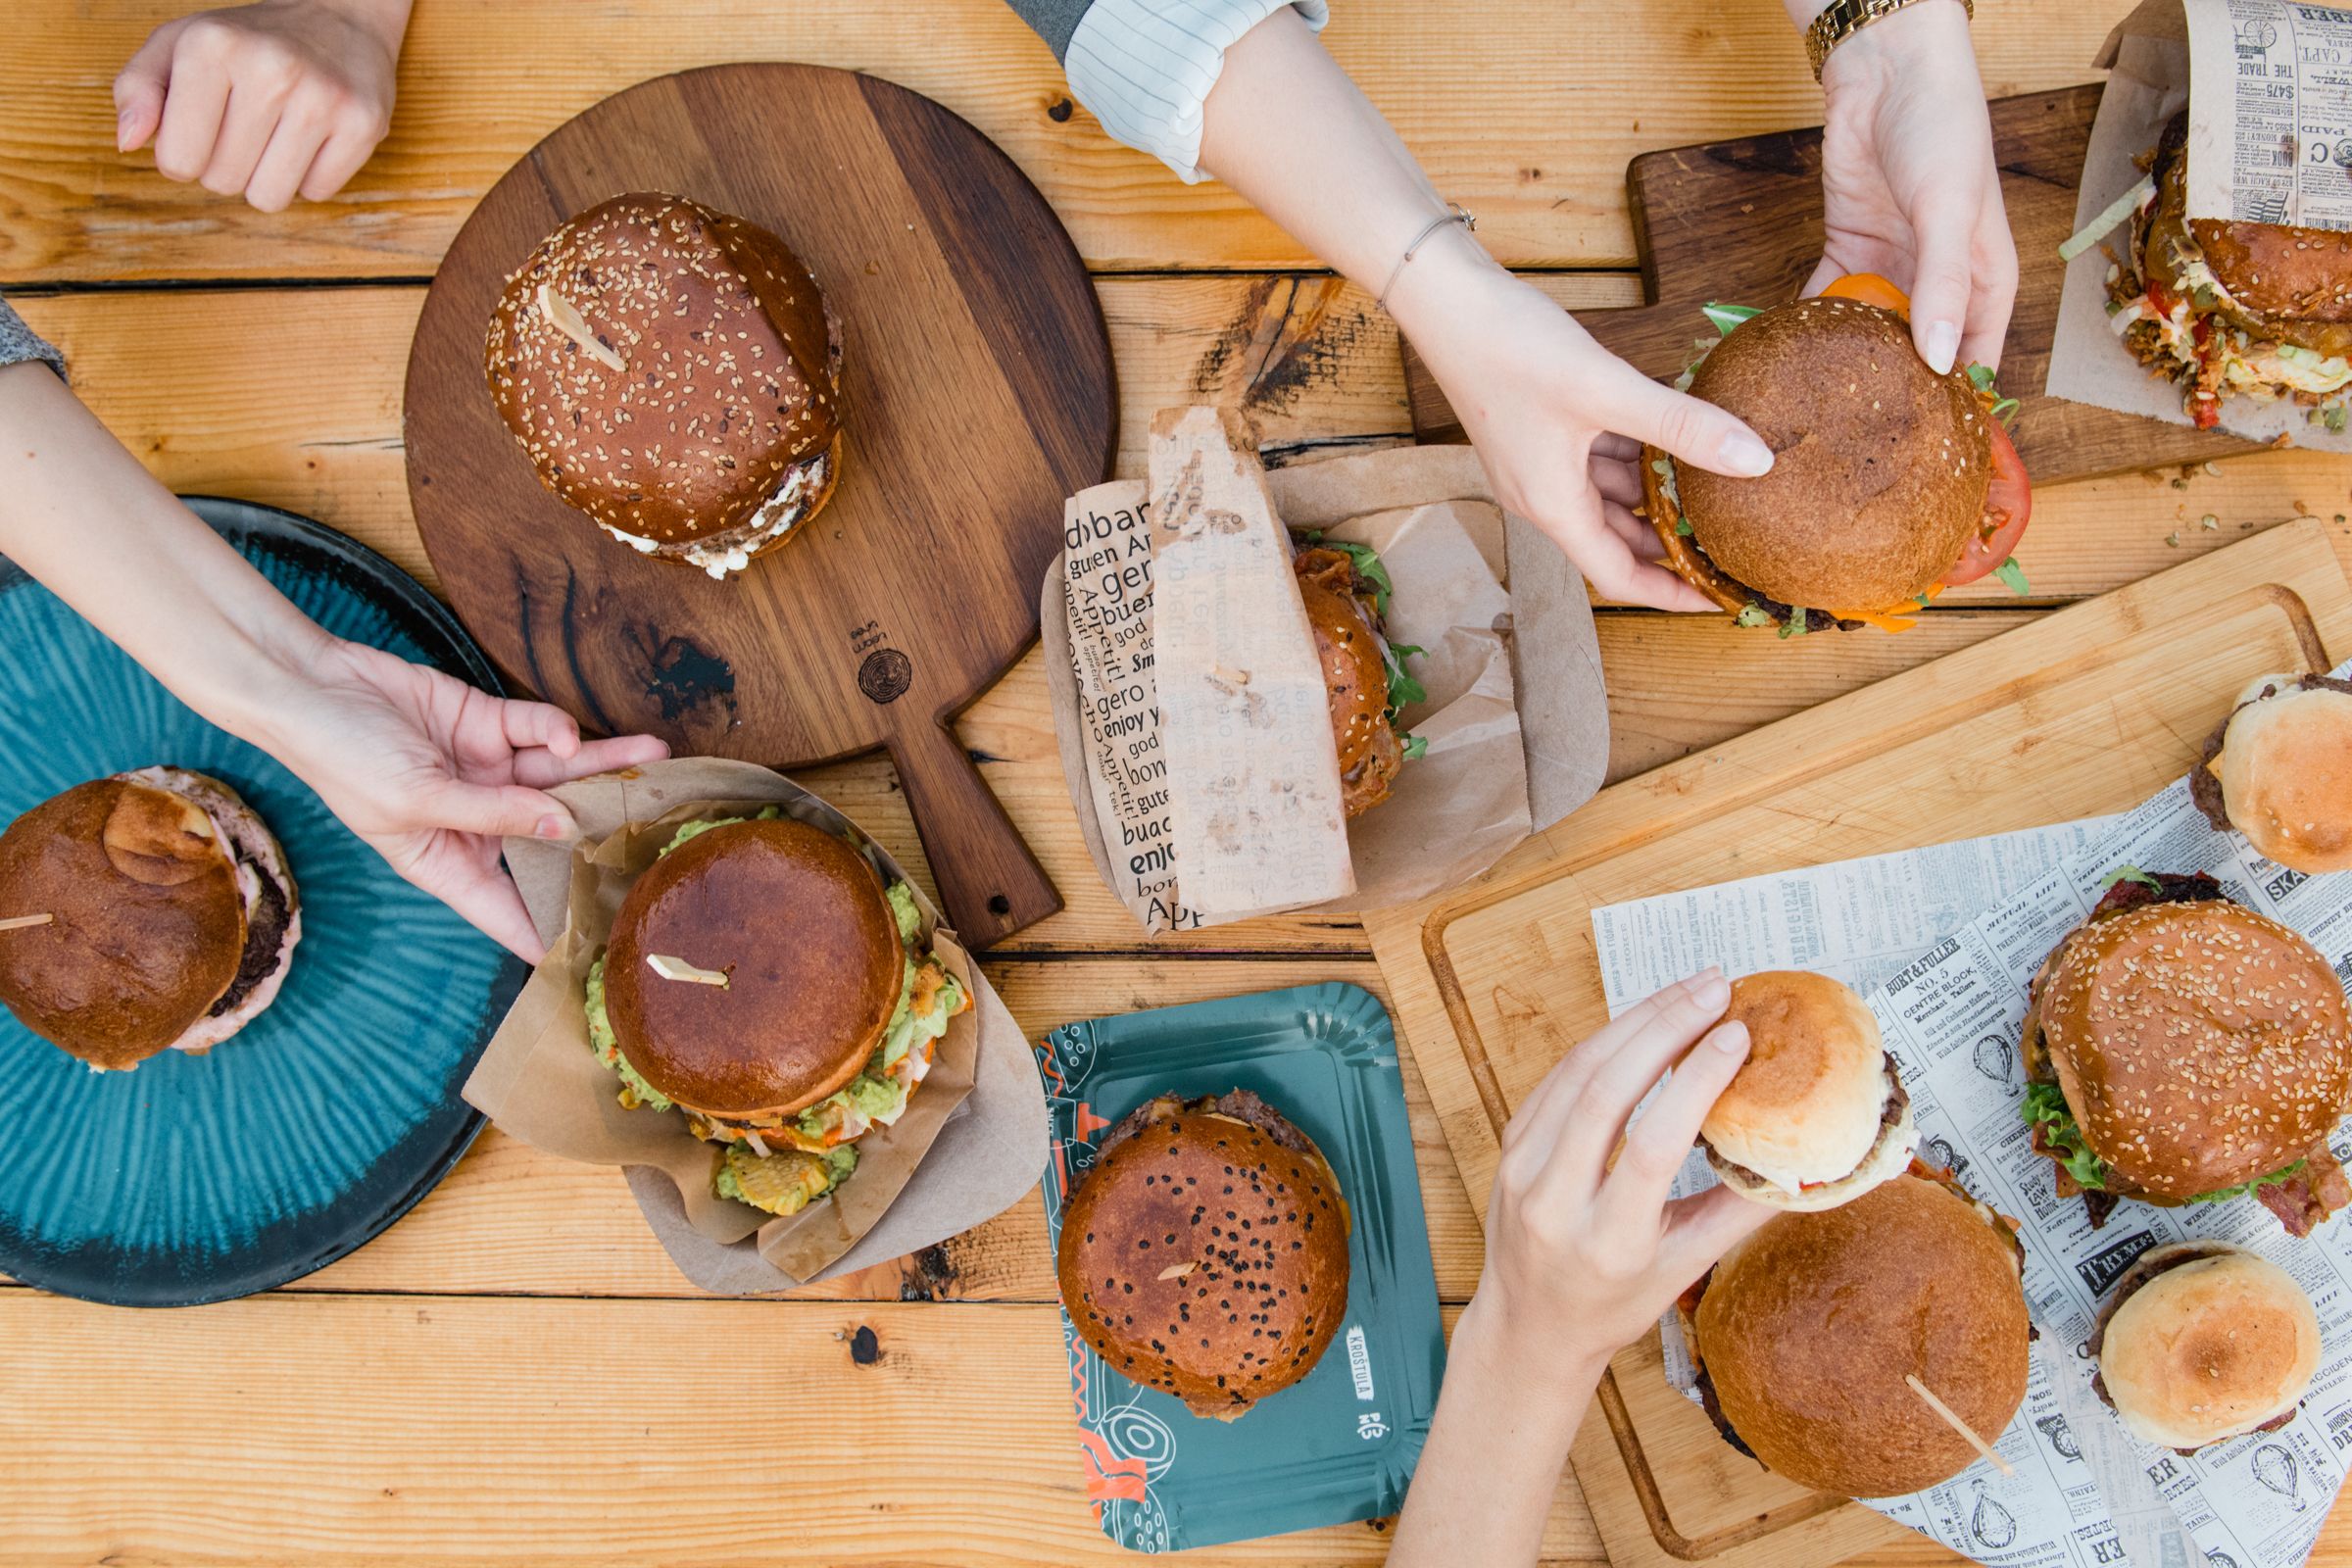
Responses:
[703,425]
[174,916]
[1816,1115]
[801,926]
[2204,1341]
[1880,472]
[1205,1254]
[2288,284]
[2285,770]
[1807,1329]
[2199,1045]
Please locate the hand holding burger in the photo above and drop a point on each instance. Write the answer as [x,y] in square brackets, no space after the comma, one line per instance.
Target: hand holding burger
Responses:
[1584,1252]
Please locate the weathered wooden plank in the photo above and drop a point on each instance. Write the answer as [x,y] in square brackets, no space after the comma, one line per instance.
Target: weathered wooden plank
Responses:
[512,1219]
[304,1429]
[1515,107]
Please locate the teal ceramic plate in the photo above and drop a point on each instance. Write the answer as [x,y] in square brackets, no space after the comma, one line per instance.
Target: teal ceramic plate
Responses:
[1342,1444]
[200,1178]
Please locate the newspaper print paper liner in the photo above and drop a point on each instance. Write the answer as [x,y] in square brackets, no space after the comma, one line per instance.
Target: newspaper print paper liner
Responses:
[1341,1443]
[1518,716]
[967,1147]
[2148,59]
[2085,1492]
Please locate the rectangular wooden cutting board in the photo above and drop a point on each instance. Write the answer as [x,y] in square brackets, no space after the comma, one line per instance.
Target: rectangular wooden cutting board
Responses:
[1740,222]
[2085,712]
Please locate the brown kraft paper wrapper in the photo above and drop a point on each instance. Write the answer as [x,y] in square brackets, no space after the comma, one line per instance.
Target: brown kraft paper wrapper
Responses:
[971,1144]
[1517,719]
[2255,62]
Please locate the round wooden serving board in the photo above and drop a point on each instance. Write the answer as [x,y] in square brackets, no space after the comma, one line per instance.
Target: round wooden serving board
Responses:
[976,395]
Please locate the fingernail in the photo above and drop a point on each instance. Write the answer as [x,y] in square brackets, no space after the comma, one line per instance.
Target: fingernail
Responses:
[122,131]
[553,827]
[1710,985]
[1943,346]
[1730,1038]
[1744,456]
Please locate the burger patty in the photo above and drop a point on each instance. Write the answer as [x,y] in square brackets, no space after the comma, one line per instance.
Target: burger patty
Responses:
[2152,1264]
[264,931]
[1898,1101]
[1239,1104]
[2205,784]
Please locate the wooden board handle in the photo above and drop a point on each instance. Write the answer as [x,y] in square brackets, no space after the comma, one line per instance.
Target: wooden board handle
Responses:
[989,882]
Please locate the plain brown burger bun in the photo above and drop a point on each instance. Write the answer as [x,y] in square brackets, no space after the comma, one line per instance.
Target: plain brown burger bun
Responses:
[1205,1255]
[2285,776]
[1808,1328]
[1815,1116]
[148,925]
[2206,1341]
[2199,1045]
[1880,469]
[1355,674]
[716,437]
[801,926]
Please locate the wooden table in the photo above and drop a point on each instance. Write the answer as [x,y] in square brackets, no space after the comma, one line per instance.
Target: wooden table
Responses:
[514,1372]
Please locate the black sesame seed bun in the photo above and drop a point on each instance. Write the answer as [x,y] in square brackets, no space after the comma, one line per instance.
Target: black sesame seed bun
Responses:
[1205,1255]
[2199,1045]
[701,421]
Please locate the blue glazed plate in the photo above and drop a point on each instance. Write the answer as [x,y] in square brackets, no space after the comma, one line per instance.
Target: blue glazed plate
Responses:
[196,1179]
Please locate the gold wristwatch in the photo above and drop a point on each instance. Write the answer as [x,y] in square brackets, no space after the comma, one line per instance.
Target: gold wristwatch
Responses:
[1842,19]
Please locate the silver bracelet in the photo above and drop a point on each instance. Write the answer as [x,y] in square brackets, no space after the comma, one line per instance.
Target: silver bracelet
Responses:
[1455,212]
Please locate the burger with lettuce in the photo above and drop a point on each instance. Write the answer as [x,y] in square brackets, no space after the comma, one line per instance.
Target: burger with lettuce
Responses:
[2180,1048]
[1889,483]
[762,980]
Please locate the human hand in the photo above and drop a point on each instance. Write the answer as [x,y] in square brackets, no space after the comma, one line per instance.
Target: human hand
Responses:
[1558,421]
[1584,1250]
[432,773]
[273,99]
[1909,187]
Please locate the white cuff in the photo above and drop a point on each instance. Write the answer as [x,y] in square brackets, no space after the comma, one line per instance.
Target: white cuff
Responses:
[1144,68]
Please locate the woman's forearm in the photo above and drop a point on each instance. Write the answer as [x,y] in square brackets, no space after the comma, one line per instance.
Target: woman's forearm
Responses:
[80,515]
[1504,1423]
[1287,129]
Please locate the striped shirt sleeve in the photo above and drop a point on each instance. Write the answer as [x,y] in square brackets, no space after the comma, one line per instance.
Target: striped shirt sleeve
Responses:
[1144,68]
[19,343]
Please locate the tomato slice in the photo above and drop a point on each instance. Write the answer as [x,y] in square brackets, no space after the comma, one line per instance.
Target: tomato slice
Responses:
[2008,504]
[1871,289]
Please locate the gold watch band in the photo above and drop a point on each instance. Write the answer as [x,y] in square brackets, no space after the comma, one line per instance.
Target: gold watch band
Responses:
[1841,19]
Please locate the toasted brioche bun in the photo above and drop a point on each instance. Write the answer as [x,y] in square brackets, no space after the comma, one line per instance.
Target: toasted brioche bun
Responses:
[2285,770]
[1357,677]
[1808,1328]
[1804,1123]
[801,925]
[1880,467]
[1205,1255]
[174,916]
[718,437]
[2205,1341]
[2291,284]
[2199,1045]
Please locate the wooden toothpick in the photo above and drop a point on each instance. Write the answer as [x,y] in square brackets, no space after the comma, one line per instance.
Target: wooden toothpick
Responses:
[20,922]
[669,969]
[1952,1419]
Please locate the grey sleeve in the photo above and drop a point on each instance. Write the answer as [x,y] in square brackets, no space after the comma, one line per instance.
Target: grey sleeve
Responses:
[1054,20]
[18,342]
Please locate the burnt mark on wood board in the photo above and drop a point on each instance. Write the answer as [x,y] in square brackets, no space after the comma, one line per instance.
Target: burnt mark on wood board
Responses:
[865,1349]
[1292,335]
[682,676]
[931,1274]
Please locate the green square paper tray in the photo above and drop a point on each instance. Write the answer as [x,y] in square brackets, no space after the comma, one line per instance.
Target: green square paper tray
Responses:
[1342,1444]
